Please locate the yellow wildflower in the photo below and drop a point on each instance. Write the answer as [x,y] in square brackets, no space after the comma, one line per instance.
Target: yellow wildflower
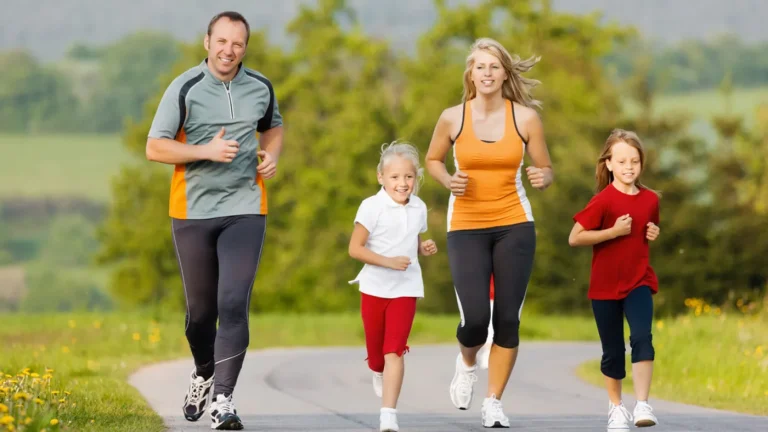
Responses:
[137,336]
[54,422]
[6,420]
[3,408]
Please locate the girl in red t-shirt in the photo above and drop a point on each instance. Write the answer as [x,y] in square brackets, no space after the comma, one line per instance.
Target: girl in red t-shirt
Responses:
[618,222]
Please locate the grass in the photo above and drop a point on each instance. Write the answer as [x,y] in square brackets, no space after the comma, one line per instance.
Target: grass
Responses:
[59,164]
[92,355]
[706,358]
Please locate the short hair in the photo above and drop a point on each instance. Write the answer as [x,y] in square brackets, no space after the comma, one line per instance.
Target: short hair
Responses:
[233,16]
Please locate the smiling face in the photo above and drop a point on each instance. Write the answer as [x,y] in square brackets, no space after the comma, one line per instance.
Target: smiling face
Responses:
[398,177]
[226,47]
[488,74]
[625,163]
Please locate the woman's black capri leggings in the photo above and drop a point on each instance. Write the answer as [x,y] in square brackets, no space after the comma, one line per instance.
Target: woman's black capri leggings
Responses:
[507,252]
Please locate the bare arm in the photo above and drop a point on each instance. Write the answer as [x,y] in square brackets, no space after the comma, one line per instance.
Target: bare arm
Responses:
[172,152]
[358,251]
[271,141]
[438,149]
[581,237]
[537,150]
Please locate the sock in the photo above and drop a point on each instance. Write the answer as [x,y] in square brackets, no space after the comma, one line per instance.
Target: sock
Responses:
[645,402]
[389,410]
[468,368]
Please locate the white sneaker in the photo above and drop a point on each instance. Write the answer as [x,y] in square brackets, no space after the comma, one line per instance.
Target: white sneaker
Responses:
[493,413]
[643,415]
[388,420]
[224,415]
[484,354]
[198,397]
[618,418]
[378,377]
[462,385]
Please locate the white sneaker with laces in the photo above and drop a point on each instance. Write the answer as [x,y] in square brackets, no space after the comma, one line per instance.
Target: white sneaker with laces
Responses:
[198,397]
[643,415]
[388,420]
[618,418]
[462,385]
[378,377]
[224,415]
[492,413]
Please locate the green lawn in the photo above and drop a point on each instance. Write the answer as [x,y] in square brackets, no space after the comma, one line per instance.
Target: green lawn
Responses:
[59,164]
[712,360]
[92,356]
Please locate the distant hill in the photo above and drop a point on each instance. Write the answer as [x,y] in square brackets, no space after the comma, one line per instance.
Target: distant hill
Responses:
[48,27]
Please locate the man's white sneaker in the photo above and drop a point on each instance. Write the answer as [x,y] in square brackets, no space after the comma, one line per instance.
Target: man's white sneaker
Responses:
[462,385]
[224,415]
[378,377]
[484,355]
[198,397]
[618,418]
[493,413]
[388,420]
[643,415]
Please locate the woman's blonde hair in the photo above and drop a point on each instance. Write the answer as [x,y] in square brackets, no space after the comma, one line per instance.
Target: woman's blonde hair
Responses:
[406,151]
[516,87]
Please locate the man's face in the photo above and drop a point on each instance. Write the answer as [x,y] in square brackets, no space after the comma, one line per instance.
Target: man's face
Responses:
[226,47]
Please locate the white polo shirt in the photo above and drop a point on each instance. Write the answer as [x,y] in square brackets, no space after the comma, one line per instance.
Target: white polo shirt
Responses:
[393,231]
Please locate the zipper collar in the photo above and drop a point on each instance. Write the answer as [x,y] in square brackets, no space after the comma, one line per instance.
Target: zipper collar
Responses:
[204,68]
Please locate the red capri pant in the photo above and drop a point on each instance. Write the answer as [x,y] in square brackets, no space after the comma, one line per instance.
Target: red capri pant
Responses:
[387,323]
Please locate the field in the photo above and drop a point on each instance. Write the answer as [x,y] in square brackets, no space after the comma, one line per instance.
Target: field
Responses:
[706,358]
[92,355]
[59,165]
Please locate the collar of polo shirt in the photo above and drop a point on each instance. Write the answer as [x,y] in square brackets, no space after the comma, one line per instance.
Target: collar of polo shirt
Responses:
[392,203]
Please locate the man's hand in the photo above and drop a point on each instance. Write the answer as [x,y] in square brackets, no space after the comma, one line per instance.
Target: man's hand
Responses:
[268,167]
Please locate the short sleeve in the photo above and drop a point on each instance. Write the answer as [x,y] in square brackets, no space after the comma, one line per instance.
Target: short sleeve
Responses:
[367,215]
[424,223]
[167,120]
[272,117]
[591,217]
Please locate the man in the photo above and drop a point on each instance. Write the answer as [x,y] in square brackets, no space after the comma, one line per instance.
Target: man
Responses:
[207,125]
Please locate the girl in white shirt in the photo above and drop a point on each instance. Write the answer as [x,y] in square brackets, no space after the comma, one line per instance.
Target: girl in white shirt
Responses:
[386,238]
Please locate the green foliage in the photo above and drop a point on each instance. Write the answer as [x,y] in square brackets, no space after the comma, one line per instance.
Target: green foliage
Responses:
[54,289]
[71,241]
[343,94]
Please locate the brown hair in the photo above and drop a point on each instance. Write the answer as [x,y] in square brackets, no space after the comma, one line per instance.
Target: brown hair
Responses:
[516,87]
[603,176]
[232,16]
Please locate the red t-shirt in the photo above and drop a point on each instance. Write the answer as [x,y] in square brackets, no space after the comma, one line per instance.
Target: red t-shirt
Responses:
[621,264]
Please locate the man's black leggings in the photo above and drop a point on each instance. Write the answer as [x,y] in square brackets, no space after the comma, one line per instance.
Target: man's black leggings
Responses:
[473,255]
[218,259]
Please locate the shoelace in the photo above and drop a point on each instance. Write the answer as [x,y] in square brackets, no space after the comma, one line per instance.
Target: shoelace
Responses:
[196,392]
[495,410]
[619,411]
[466,380]
[227,406]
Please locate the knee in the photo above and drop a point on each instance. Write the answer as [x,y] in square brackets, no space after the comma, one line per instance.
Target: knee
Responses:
[613,363]
[200,318]
[474,330]
[233,312]
[507,333]
[642,347]
[375,362]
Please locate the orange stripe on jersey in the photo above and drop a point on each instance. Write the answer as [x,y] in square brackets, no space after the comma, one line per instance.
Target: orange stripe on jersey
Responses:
[495,195]
[263,188]
[178,200]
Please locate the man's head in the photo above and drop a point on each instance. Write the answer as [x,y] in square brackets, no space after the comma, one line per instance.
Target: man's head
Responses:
[225,41]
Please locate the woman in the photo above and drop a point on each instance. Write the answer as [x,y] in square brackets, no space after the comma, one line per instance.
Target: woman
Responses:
[490,223]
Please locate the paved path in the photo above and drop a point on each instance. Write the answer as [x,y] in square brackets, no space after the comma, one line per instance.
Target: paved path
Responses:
[298,390]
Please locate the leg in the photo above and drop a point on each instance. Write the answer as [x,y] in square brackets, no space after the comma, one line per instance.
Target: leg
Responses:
[372,311]
[609,317]
[638,307]
[239,250]
[195,244]
[513,255]
[398,322]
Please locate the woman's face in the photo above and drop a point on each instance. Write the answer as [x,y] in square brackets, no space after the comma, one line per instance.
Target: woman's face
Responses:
[487,73]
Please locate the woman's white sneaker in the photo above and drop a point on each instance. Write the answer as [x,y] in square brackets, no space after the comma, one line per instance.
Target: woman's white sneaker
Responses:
[462,385]
[198,397]
[643,415]
[493,413]
[388,420]
[618,418]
